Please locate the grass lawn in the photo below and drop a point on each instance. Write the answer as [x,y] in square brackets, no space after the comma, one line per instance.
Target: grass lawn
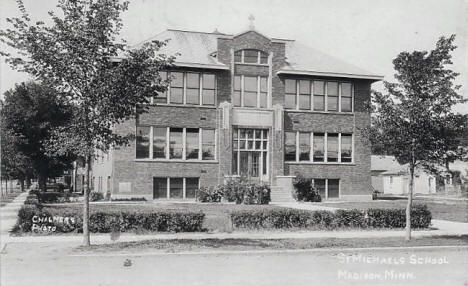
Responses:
[446,210]
[8,198]
[187,245]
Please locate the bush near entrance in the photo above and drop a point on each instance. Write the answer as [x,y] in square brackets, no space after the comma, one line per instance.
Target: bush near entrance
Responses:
[239,191]
[304,191]
[341,219]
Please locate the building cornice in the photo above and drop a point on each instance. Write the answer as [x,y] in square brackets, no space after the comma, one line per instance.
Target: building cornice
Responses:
[331,74]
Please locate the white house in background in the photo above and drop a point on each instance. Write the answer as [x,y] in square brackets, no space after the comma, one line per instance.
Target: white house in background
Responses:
[389,177]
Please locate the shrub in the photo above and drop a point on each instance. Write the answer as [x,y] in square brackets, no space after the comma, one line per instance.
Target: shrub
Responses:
[142,199]
[304,190]
[68,220]
[209,194]
[96,196]
[49,197]
[241,191]
[293,218]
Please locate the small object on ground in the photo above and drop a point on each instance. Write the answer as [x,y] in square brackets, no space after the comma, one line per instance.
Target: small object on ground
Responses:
[127,263]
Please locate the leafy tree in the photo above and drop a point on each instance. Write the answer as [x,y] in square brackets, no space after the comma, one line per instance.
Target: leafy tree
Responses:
[30,114]
[414,120]
[80,56]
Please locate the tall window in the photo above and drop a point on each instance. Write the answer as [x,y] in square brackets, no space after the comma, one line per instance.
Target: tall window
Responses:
[332,147]
[142,142]
[191,144]
[319,147]
[290,146]
[193,88]
[237,90]
[177,87]
[263,92]
[175,143]
[191,187]
[346,97]
[208,151]
[159,188]
[208,96]
[346,147]
[319,95]
[161,96]
[250,91]
[159,142]
[251,57]
[321,187]
[304,94]
[176,188]
[304,146]
[332,96]
[290,94]
[333,188]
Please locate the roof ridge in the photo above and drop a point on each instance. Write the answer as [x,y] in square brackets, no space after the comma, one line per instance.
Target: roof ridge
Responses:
[197,32]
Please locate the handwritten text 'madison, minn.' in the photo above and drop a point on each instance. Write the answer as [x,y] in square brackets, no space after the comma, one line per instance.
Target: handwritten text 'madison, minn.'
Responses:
[48,223]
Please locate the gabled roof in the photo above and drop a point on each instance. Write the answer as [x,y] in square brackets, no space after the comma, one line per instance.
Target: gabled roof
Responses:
[196,49]
[384,163]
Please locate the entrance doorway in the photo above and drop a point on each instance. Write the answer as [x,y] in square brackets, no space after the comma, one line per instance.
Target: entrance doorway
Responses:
[250,153]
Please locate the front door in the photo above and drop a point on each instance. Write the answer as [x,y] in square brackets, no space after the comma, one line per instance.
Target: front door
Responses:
[250,153]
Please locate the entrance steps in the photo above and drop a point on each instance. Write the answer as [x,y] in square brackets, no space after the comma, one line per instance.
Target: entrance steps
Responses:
[280,194]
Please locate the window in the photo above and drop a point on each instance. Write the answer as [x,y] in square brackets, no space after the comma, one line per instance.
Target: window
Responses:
[346,97]
[332,96]
[176,188]
[159,188]
[208,95]
[250,156]
[332,147]
[304,146]
[251,57]
[252,93]
[142,142]
[177,87]
[319,95]
[161,96]
[175,143]
[320,185]
[319,147]
[290,146]
[304,94]
[159,142]
[333,188]
[237,91]
[327,188]
[208,144]
[290,94]
[326,147]
[192,144]
[191,187]
[193,88]
[346,147]
[263,92]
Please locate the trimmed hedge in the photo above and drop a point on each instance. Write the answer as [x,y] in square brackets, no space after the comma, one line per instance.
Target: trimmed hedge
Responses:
[293,218]
[38,219]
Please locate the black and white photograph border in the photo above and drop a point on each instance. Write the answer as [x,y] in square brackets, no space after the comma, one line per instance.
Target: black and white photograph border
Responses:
[175,142]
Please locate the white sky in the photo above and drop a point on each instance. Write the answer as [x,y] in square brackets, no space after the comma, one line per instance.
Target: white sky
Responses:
[367,33]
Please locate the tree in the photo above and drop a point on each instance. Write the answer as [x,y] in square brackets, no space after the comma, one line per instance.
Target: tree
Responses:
[79,55]
[30,113]
[414,120]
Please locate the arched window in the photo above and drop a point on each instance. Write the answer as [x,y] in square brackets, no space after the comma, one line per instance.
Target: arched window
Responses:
[251,56]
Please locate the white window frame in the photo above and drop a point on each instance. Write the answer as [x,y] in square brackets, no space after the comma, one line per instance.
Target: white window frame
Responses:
[326,186]
[259,56]
[184,145]
[325,148]
[258,98]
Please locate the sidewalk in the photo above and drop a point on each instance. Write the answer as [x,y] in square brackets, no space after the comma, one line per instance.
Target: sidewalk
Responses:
[8,217]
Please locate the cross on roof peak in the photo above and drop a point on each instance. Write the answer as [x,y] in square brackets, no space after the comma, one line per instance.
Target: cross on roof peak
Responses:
[251,19]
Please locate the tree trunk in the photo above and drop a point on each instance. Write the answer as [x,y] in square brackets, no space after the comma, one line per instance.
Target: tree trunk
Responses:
[28,182]
[86,238]
[42,181]
[75,171]
[408,206]
[22,184]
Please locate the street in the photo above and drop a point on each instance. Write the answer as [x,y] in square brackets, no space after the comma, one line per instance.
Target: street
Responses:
[38,264]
